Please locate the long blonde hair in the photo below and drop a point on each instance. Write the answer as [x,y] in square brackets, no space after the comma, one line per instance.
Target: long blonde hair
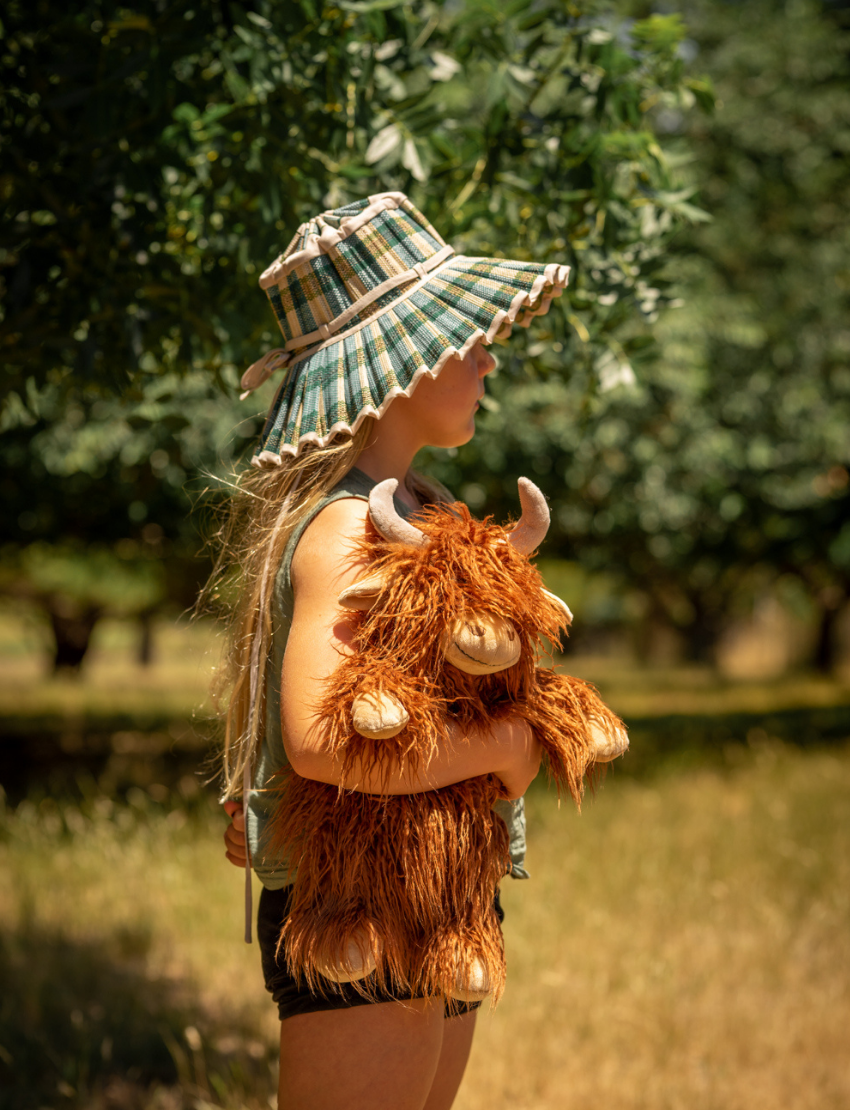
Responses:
[262,514]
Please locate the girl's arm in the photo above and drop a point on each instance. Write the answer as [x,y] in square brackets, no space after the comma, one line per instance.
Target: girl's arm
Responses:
[322,567]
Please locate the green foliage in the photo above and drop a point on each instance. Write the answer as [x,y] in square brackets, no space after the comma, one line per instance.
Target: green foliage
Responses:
[725,464]
[775,286]
[156,157]
[120,472]
[97,576]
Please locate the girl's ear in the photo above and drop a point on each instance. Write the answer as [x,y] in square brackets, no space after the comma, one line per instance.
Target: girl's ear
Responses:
[363,594]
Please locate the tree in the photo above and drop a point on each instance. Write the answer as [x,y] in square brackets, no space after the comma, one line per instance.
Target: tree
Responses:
[776,162]
[724,466]
[100,499]
[157,156]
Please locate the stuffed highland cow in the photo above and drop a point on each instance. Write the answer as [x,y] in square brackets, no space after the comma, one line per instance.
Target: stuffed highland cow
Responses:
[395,892]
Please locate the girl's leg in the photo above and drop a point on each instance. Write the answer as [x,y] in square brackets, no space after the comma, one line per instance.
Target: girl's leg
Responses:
[365,1057]
[457,1041]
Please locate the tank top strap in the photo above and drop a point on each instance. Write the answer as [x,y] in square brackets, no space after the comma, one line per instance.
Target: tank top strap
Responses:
[355,485]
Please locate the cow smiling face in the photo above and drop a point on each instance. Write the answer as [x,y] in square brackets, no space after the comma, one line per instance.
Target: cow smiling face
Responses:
[454,591]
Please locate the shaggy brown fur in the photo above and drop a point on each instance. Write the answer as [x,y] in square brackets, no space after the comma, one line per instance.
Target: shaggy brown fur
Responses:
[423,868]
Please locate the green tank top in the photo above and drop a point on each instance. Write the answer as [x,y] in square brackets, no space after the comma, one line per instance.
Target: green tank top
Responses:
[273,872]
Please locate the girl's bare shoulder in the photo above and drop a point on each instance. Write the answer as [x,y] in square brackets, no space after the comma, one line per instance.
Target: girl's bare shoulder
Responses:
[325,560]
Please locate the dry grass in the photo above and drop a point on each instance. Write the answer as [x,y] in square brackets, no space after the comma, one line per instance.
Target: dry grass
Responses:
[185,653]
[685,943]
[175,684]
[122,946]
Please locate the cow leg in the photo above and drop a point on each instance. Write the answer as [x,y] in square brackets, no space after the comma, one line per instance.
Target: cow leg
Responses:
[356,961]
[465,960]
[378,715]
[472,982]
[608,743]
[575,727]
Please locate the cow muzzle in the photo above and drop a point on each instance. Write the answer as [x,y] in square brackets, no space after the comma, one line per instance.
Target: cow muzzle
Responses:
[480,643]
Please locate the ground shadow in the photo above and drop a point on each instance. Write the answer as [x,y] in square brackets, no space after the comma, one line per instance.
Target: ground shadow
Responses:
[53,752]
[84,1024]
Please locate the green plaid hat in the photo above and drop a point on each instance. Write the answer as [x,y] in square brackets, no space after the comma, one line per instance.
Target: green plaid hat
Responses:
[369,298]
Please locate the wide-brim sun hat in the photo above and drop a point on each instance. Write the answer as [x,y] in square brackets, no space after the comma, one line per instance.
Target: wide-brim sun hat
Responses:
[369,299]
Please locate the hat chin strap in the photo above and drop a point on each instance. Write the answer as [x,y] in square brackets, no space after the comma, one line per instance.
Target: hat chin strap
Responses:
[261,370]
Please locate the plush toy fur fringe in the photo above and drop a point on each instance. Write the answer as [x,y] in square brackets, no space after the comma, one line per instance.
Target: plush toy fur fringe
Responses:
[422,869]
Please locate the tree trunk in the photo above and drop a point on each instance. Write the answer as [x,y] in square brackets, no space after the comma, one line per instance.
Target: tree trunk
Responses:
[824,654]
[656,638]
[145,654]
[703,634]
[72,630]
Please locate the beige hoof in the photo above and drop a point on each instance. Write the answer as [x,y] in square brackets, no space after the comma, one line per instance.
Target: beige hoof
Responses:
[360,958]
[378,716]
[480,643]
[607,745]
[562,605]
[363,594]
[474,987]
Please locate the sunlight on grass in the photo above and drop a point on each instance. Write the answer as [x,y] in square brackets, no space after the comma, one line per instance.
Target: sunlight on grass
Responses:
[636,691]
[124,945]
[685,942]
[176,684]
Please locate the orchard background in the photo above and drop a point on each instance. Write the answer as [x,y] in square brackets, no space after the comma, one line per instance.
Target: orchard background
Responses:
[685,407]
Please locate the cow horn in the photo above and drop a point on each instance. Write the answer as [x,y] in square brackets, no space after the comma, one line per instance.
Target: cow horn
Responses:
[387,521]
[533,525]
[363,594]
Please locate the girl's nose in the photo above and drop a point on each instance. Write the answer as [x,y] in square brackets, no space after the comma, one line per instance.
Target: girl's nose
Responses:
[486,362]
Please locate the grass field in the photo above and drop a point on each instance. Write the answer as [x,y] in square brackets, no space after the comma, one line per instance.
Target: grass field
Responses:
[177,682]
[687,945]
[684,943]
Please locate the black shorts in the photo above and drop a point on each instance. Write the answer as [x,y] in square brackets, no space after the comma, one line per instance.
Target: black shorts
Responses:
[292,998]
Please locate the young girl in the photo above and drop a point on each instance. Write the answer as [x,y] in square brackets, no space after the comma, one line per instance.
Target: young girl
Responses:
[386,332]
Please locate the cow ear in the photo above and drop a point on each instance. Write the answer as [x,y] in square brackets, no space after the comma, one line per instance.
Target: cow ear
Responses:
[363,594]
[561,605]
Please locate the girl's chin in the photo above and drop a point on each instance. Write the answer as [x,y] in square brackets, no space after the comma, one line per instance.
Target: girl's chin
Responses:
[457,439]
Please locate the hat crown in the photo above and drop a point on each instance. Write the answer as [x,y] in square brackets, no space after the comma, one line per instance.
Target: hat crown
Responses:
[370,299]
[343,264]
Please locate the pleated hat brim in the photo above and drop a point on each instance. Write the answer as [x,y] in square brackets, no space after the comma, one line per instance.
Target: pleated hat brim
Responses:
[360,372]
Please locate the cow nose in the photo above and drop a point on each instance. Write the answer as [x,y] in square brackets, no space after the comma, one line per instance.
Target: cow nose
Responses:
[480,643]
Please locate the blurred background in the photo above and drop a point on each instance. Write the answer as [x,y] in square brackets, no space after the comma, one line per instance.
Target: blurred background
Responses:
[685,407]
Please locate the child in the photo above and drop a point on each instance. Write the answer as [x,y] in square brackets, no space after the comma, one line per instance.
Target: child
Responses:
[386,333]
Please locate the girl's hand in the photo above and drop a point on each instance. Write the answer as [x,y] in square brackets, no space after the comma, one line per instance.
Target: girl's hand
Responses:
[234,834]
[524,757]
